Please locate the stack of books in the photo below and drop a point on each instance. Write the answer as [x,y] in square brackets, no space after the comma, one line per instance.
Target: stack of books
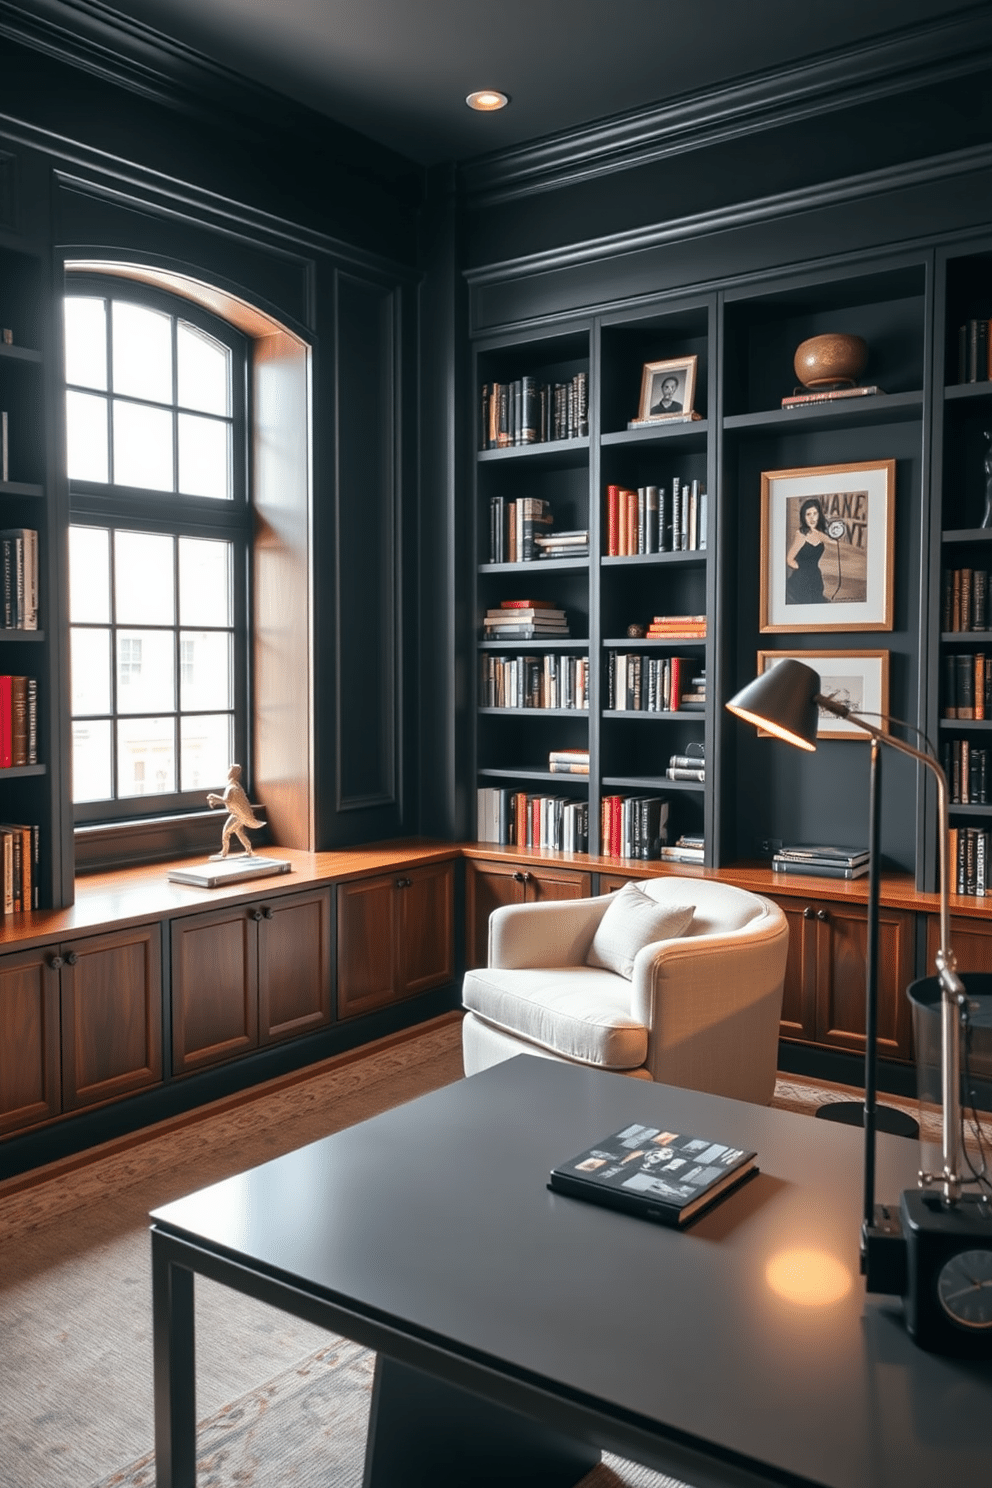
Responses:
[513,528]
[689,848]
[571,544]
[519,819]
[655,519]
[636,683]
[829,395]
[677,628]
[555,680]
[19,556]
[524,620]
[967,771]
[568,761]
[528,411]
[633,826]
[688,766]
[967,685]
[694,698]
[968,851]
[965,599]
[822,862]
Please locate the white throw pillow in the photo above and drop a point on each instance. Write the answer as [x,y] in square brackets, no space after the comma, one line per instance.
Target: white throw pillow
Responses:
[632,921]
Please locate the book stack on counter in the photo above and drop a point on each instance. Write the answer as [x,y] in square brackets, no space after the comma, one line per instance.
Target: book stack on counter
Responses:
[965,599]
[520,819]
[528,411]
[830,395]
[638,683]
[974,351]
[821,861]
[656,519]
[18,721]
[19,556]
[633,826]
[551,681]
[967,685]
[967,771]
[568,761]
[571,544]
[19,851]
[688,766]
[525,620]
[677,628]
[689,848]
[969,860]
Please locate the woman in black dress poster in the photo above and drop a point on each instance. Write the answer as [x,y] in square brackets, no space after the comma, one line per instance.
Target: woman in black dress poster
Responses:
[804,581]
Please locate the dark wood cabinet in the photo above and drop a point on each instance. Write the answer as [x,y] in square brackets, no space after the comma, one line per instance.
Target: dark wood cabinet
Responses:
[824,999]
[971,942]
[395,937]
[111,1015]
[29,1040]
[248,975]
[491,883]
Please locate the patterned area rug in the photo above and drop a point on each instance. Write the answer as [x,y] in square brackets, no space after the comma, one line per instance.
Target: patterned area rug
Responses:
[281,1404]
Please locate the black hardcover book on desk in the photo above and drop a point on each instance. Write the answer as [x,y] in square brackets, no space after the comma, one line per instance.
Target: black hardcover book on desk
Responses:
[668,1177]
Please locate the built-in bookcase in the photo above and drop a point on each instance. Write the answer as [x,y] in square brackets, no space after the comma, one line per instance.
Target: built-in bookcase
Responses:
[30,795]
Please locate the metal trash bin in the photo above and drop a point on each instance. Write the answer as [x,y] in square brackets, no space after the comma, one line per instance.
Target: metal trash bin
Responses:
[975,1054]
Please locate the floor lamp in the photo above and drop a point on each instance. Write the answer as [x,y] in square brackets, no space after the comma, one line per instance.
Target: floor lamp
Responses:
[937,1253]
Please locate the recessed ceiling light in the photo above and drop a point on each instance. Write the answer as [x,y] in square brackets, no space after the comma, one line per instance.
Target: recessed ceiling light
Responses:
[487,100]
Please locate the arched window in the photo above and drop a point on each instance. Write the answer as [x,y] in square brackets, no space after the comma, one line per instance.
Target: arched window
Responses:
[156,421]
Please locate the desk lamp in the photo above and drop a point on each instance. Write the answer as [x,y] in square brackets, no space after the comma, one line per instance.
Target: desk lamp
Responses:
[937,1251]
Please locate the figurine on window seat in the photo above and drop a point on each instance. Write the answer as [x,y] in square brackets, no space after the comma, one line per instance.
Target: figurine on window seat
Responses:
[240,815]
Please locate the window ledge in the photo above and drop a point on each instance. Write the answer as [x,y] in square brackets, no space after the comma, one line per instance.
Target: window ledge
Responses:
[107,845]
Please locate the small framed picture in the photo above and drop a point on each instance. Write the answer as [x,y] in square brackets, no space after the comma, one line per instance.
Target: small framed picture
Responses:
[667,389]
[858,678]
[827,551]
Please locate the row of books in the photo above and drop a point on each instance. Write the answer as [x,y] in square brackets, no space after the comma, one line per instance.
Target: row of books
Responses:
[969,860]
[19,853]
[965,599]
[633,826]
[655,519]
[18,721]
[515,818]
[639,683]
[967,685]
[974,350]
[19,557]
[967,771]
[676,628]
[690,765]
[550,681]
[527,411]
[822,861]
[521,532]
[524,620]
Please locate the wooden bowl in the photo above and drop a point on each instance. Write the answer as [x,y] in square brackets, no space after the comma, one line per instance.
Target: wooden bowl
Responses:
[825,361]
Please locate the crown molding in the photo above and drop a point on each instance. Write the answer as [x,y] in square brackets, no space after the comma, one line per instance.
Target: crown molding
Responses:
[763,209]
[936,51]
[94,38]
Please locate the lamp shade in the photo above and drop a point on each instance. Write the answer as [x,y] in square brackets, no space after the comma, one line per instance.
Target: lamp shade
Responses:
[783,701]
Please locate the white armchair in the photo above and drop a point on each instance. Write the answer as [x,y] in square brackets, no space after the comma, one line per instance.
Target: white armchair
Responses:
[700,1011]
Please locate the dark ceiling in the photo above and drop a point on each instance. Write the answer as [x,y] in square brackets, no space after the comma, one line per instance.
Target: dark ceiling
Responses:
[399,70]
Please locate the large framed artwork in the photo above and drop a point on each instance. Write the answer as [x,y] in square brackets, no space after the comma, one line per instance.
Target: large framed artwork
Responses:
[858,678]
[827,550]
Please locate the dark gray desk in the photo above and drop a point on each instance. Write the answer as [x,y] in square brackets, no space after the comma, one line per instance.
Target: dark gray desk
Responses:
[519,1332]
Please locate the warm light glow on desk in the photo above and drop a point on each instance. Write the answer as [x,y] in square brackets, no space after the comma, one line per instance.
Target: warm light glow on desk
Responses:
[810,1278]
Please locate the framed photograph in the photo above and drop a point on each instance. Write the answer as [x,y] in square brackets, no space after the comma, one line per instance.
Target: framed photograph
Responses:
[667,389]
[827,551]
[858,678]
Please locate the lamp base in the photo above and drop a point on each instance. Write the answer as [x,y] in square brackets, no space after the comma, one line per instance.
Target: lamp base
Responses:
[852,1113]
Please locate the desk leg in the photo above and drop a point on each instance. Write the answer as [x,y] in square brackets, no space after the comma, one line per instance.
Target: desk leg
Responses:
[424,1433]
[174,1369]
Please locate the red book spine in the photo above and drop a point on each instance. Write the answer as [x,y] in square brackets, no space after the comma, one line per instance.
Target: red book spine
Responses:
[631,498]
[613,521]
[6,725]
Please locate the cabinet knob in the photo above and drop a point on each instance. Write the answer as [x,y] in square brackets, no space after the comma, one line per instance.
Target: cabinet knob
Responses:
[255,914]
[403,883]
[55,962]
[71,958]
[823,914]
[519,877]
[808,912]
[267,912]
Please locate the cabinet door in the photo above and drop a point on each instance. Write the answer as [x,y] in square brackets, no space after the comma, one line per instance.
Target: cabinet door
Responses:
[294,966]
[556,883]
[111,1015]
[214,987]
[488,886]
[366,940]
[971,942]
[425,930]
[799,992]
[612,883]
[841,946]
[29,1039]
